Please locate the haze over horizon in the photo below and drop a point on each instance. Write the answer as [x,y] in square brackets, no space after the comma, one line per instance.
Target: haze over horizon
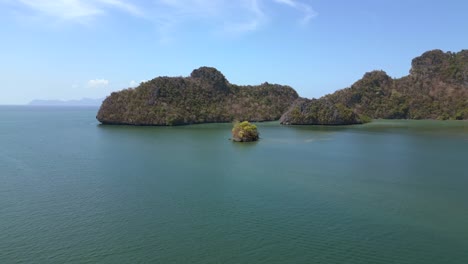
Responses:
[88,48]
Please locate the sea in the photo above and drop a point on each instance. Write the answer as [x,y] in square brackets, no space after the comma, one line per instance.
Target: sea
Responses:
[75,191]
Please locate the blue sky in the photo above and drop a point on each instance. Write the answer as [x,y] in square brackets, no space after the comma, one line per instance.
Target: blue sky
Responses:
[70,49]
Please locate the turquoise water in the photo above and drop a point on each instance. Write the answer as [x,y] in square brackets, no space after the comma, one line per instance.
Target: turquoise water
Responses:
[73,191]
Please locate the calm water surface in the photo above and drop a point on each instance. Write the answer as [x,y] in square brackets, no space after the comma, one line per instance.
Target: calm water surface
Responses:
[73,191]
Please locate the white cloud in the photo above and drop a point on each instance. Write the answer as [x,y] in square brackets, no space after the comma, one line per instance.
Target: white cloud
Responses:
[62,8]
[124,6]
[221,15]
[237,16]
[133,83]
[287,2]
[309,13]
[255,18]
[98,83]
[78,9]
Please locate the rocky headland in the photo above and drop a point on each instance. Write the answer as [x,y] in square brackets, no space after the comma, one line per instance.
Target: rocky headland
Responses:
[436,88]
[205,96]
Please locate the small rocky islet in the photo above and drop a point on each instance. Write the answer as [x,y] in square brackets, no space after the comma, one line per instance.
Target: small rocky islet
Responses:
[244,132]
[436,88]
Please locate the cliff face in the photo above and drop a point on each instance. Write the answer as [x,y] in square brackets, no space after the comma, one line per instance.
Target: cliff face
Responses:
[206,96]
[436,88]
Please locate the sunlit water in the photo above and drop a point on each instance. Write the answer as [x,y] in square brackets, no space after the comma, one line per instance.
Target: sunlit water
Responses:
[73,191]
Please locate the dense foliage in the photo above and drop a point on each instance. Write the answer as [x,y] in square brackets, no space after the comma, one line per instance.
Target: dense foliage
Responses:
[206,96]
[244,132]
[320,112]
[436,88]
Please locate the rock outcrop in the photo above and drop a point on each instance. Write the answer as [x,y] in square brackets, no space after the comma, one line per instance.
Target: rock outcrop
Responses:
[204,97]
[320,112]
[436,88]
[244,132]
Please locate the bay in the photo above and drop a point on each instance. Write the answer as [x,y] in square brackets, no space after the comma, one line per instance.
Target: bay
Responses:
[74,191]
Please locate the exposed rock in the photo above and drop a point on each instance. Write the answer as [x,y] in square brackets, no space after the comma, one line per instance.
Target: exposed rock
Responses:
[436,88]
[319,112]
[204,97]
[429,63]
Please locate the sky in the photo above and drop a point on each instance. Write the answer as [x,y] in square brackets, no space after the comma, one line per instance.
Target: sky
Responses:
[71,49]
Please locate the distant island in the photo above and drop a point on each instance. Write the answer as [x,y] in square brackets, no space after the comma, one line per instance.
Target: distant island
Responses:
[436,88]
[80,102]
[205,96]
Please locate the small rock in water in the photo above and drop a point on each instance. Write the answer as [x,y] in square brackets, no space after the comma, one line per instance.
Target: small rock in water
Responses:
[244,132]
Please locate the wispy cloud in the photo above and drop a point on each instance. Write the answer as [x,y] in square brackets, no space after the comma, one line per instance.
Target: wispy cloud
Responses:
[98,83]
[256,17]
[78,10]
[124,6]
[287,2]
[237,16]
[222,16]
[309,13]
[62,8]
